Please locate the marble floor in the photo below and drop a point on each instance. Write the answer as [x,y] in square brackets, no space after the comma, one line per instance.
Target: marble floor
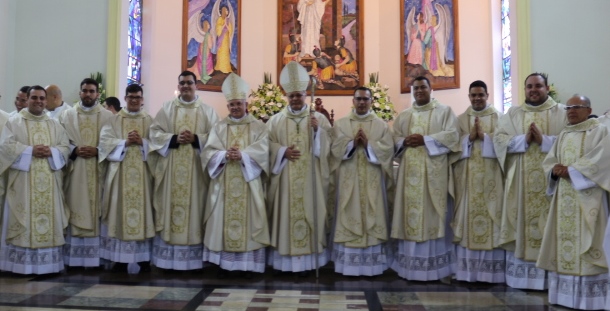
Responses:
[94,289]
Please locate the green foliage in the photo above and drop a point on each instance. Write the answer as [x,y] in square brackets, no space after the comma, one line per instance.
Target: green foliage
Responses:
[381,105]
[102,90]
[267,100]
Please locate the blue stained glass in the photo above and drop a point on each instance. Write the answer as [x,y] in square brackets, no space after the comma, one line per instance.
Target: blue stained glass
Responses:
[506,59]
[134,42]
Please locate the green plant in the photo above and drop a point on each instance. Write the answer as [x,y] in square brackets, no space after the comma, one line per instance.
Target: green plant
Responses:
[381,103]
[98,77]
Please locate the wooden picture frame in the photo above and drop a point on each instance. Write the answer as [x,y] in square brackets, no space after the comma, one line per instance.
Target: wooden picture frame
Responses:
[339,67]
[211,32]
[429,43]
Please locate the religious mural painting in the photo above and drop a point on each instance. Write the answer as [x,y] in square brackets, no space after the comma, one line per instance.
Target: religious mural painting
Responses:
[326,37]
[429,43]
[211,40]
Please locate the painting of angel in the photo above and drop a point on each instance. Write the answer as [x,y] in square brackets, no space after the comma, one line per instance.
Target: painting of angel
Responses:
[211,40]
[429,46]
[326,38]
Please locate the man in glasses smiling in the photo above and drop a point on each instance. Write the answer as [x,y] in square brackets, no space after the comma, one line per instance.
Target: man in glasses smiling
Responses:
[178,133]
[572,247]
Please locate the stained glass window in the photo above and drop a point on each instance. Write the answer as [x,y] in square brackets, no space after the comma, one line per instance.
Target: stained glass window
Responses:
[506,80]
[134,44]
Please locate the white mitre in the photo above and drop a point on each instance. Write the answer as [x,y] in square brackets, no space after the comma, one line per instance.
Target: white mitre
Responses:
[234,87]
[294,78]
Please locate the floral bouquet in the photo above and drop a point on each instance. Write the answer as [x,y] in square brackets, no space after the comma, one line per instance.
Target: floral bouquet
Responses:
[267,100]
[382,106]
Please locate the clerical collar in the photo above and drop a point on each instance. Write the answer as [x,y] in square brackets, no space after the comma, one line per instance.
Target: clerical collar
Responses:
[188,103]
[238,120]
[132,113]
[296,113]
[87,109]
[361,116]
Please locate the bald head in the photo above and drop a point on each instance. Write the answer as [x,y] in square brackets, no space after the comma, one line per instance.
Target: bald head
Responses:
[579,108]
[54,97]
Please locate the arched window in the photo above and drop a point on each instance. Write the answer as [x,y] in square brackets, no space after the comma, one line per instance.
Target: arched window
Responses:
[506,80]
[134,43]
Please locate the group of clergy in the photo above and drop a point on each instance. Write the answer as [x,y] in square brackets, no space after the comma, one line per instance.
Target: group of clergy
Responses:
[519,198]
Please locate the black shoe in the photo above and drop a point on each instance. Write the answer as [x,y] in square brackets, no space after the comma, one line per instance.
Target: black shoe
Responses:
[221,274]
[304,274]
[119,267]
[246,275]
[144,266]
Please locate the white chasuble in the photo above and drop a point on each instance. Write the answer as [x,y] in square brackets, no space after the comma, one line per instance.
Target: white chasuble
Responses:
[127,201]
[84,177]
[361,217]
[576,222]
[423,185]
[479,187]
[180,182]
[525,202]
[289,196]
[37,215]
[235,217]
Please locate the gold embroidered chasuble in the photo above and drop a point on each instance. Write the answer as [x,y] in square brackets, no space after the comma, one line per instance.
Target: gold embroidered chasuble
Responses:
[3,118]
[127,199]
[361,217]
[84,178]
[573,236]
[37,214]
[289,195]
[479,187]
[423,182]
[525,185]
[180,183]
[235,216]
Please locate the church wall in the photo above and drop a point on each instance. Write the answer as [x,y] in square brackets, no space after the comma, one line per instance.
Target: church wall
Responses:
[162,32]
[56,42]
[570,42]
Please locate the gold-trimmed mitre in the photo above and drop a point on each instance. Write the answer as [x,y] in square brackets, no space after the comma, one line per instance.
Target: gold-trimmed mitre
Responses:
[294,78]
[234,87]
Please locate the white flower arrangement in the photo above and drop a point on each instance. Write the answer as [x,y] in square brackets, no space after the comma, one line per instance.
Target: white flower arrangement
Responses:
[267,100]
[381,104]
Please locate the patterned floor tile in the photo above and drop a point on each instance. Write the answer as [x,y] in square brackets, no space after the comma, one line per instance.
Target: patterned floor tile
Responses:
[24,286]
[184,294]
[157,304]
[13,297]
[474,299]
[104,302]
[117,291]
[398,298]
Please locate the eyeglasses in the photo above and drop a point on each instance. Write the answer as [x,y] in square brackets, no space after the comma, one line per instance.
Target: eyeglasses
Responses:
[189,82]
[575,107]
[134,97]
[362,98]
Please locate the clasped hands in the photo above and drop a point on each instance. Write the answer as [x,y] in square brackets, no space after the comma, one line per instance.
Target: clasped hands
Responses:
[134,138]
[476,132]
[41,151]
[560,170]
[233,154]
[414,140]
[361,139]
[186,137]
[533,134]
[86,152]
[292,153]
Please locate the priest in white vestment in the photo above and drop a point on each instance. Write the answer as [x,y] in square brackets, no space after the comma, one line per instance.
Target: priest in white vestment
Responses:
[572,249]
[33,150]
[237,159]
[84,176]
[178,134]
[479,186]
[425,136]
[362,153]
[524,136]
[127,211]
[293,133]
[4,116]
